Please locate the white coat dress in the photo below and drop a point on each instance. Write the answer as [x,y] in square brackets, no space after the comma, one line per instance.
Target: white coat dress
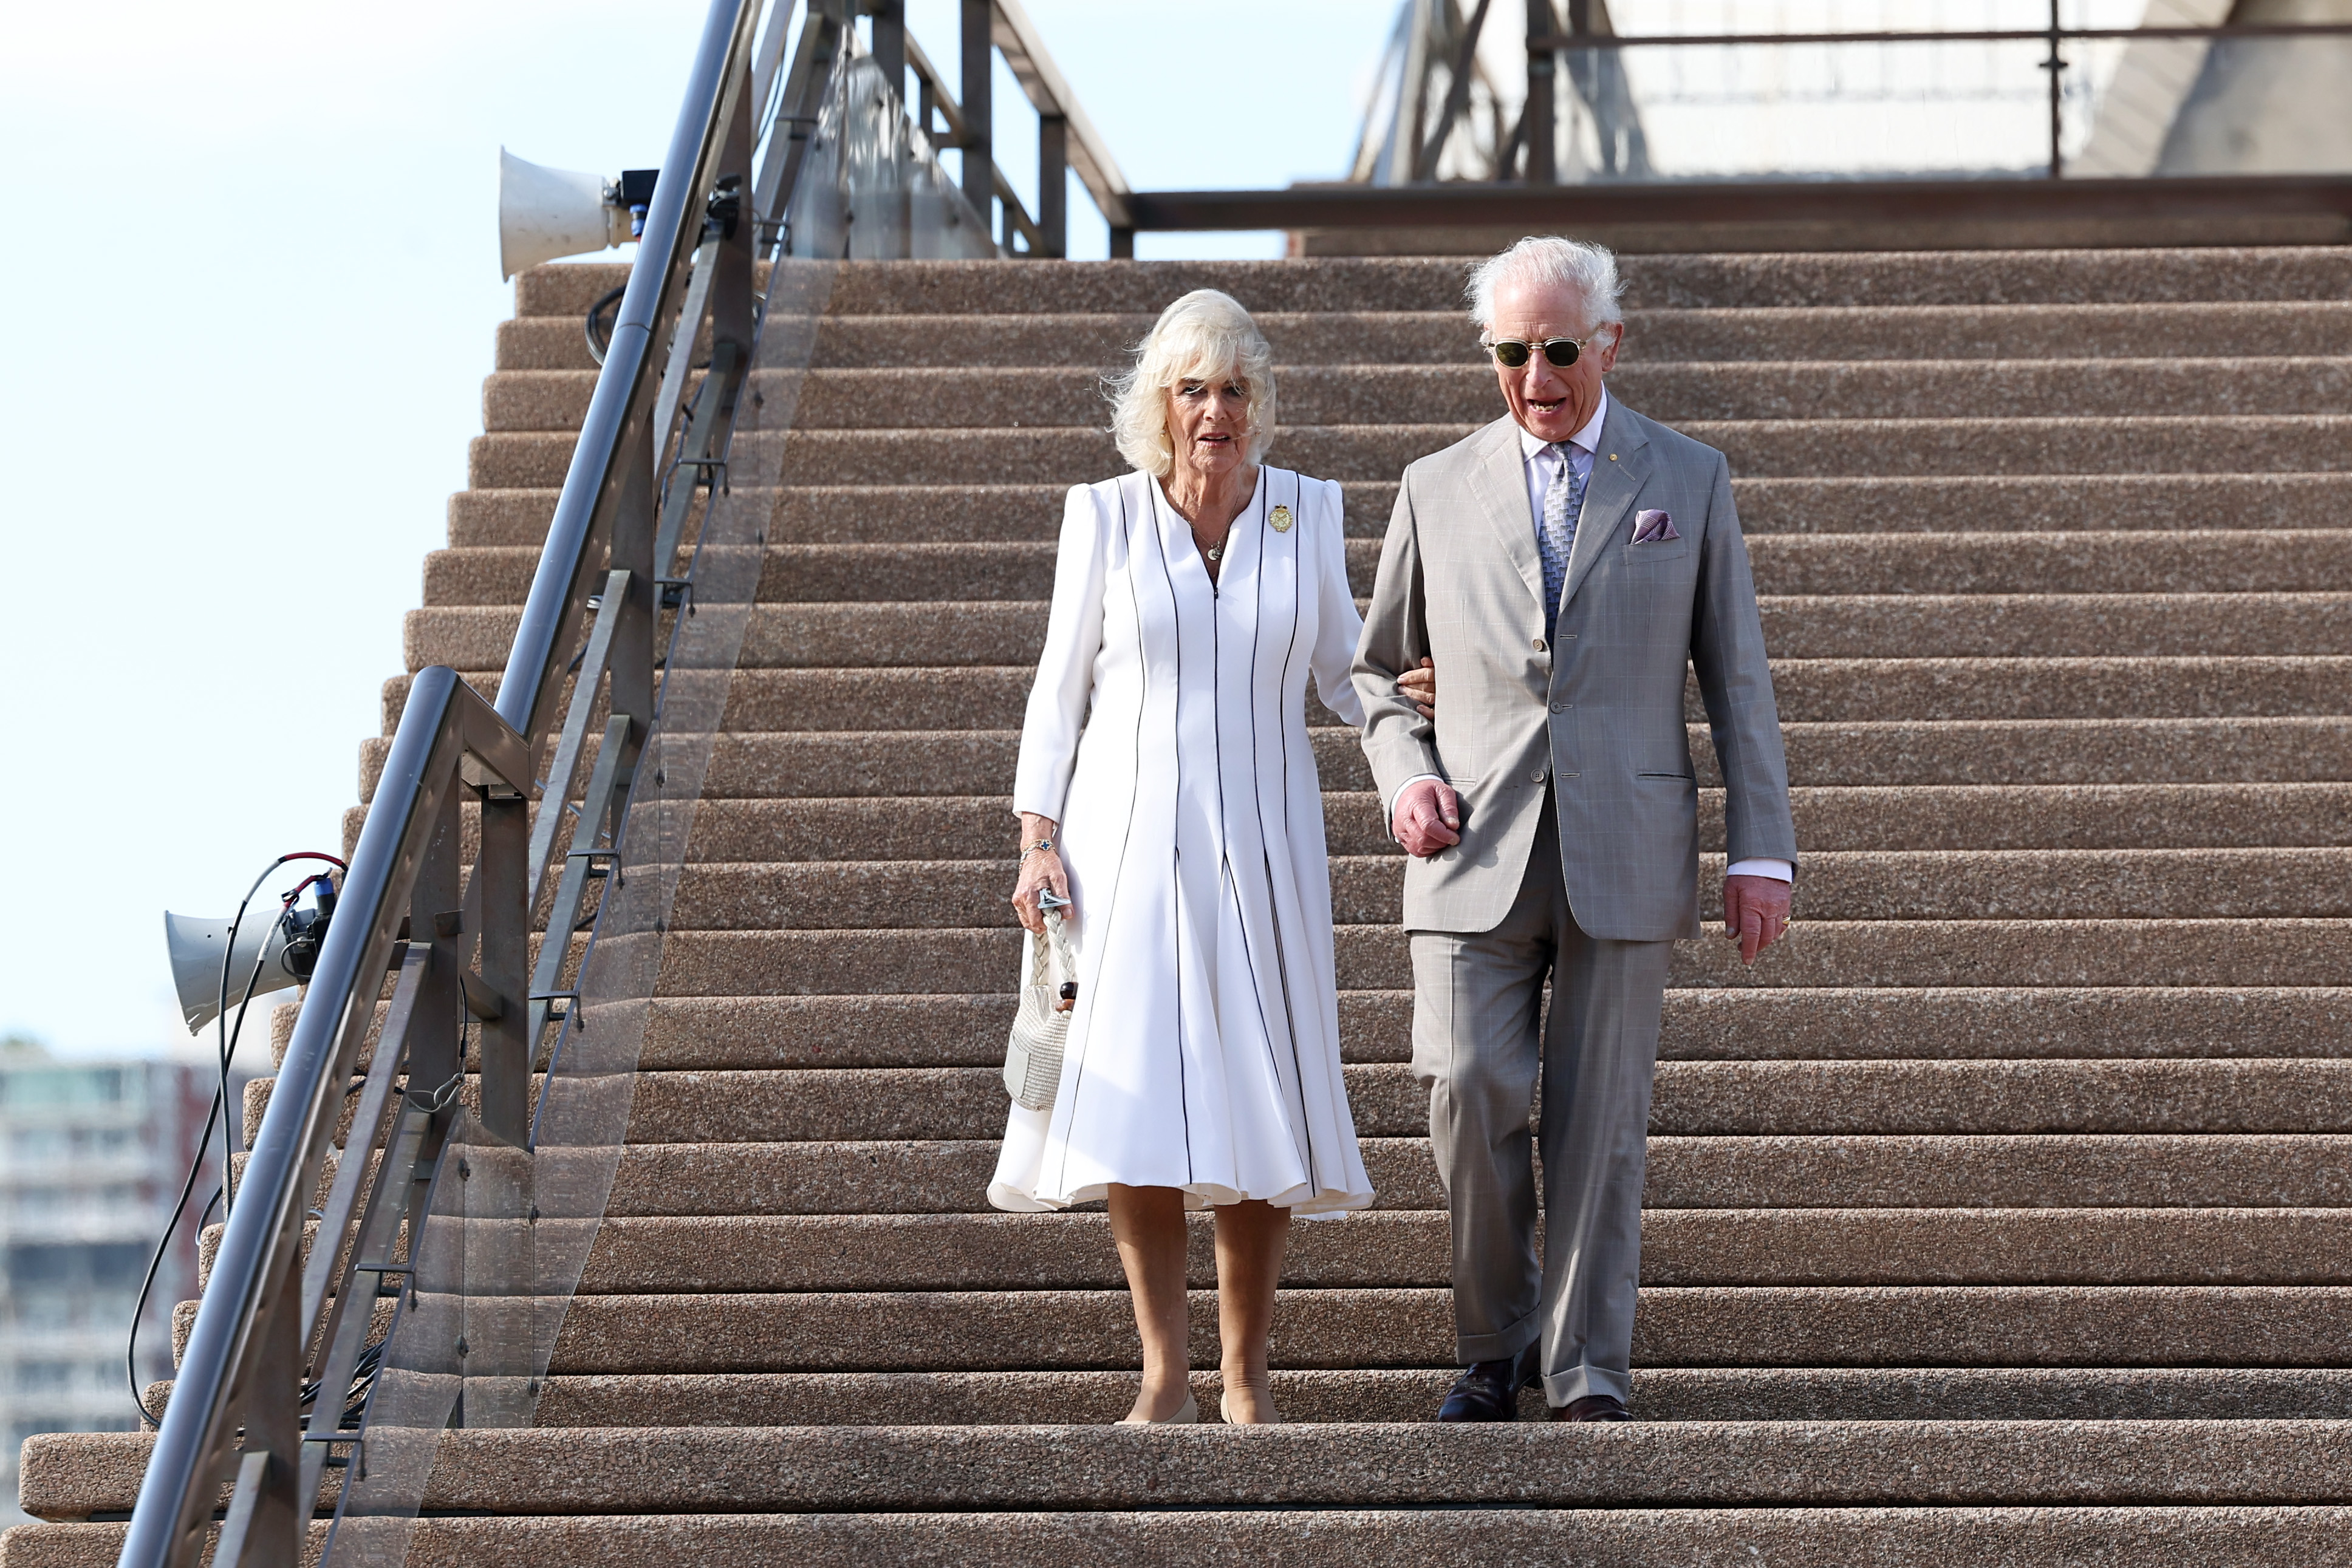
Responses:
[1167,735]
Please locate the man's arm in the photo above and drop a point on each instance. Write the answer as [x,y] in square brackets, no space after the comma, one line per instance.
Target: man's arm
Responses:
[1735,682]
[1400,734]
[1399,741]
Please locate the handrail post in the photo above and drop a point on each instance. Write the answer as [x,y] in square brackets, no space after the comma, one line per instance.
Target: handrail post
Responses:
[1539,116]
[978,141]
[1053,183]
[890,42]
[631,659]
[503,870]
[436,914]
[734,281]
[273,1424]
[2056,66]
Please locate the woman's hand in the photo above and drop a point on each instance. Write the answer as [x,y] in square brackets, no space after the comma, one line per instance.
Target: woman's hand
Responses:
[1420,686]
[1040,868]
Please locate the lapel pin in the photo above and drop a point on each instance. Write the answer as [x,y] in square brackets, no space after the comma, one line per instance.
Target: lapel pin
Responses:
[1280,518]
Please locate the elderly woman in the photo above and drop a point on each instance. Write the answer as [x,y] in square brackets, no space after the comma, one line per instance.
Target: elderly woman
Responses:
[1167,787]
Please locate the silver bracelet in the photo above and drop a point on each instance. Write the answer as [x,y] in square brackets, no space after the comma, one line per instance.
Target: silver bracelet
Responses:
[1044,843]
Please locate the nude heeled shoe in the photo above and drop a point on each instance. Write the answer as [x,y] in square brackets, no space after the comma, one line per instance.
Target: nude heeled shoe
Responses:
[1186,1414]
[1273,1416]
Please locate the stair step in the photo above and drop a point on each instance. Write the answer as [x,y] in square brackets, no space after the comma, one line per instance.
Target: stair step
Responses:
[2266,1094]
[1413,1394]
[1740,1023]
[1794,1171]
[951,632]
[2310,564]
[1810,691]
[1901,953]
[821,1470]
[1369,391]
[1964,1246]
[2185,331]
[1837,885]
[2304,1536]
[1892,753]
[2124,818]
[1965,279]
[1706,1325]
[895,513]
[1886,754]
[1791,448]
[1660,1394]
[1925,817]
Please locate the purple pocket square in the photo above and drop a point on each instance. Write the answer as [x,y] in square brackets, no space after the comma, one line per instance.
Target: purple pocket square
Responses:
[1653,529]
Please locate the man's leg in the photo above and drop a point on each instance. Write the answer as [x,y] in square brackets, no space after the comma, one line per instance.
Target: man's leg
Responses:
[1476,1047]
[1600,1051]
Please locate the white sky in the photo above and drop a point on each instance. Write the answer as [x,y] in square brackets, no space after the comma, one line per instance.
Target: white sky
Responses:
[254,278]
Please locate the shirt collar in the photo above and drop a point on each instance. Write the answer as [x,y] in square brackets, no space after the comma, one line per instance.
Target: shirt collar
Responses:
[1531,445]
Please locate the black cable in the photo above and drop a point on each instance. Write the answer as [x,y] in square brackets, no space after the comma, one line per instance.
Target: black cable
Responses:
[600,343]
[187,1188]
[222,1195]
[227,1039]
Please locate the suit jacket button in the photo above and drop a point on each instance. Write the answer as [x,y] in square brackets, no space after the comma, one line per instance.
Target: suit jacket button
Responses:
[1538,644]
[1561,707]
[1536,777]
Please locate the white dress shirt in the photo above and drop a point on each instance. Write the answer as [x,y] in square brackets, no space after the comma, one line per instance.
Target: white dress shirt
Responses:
[1541,464]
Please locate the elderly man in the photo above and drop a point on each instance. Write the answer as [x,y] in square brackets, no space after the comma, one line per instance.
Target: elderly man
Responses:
[1561,567]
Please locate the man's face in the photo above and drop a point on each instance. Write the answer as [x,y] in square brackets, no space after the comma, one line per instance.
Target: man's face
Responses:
[1550,403]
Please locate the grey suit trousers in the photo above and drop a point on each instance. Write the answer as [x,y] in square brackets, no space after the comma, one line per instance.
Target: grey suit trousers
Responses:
[1479,1037]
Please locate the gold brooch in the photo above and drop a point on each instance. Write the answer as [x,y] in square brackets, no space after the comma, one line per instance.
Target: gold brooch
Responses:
[1280,518]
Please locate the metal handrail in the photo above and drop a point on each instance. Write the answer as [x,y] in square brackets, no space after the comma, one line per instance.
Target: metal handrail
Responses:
[1066,138]
[620,410]
[1017,39]
[1584,40]
[1556,42]
[235,1416]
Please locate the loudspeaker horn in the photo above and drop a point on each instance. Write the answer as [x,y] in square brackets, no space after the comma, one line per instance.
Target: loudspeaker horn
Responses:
[546,213]
[196,946]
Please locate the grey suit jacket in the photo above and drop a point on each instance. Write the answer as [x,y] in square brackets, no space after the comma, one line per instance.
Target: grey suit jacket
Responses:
[1599,715]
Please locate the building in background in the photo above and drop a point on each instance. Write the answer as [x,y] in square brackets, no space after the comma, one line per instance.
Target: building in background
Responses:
[92,1155]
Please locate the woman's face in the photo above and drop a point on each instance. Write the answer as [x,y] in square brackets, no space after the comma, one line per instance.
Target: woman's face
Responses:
[1208,423]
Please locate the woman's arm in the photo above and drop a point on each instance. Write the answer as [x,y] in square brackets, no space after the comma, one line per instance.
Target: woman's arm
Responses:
[1338,627]
[1057,701]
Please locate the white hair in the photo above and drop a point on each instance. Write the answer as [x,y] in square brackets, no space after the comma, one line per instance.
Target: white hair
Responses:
[1202,336]
[1550,260]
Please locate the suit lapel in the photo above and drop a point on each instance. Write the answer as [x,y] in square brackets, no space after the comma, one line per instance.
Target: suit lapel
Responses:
[1498,478]
[1608,496]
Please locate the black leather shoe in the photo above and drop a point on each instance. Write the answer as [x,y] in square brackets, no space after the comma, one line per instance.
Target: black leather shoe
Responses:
[1489,1390]
[1593,1407]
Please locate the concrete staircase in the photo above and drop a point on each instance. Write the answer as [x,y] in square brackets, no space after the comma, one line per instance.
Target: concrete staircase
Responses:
[1999,1216]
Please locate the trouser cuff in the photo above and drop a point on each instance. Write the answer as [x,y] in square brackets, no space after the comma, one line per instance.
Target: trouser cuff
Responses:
[1567,1387]
[1500,1345]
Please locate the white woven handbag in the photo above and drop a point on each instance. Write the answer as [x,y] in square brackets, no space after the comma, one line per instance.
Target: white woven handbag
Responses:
[1032,1056]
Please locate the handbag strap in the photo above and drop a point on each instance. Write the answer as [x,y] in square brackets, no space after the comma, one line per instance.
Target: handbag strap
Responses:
[1057,935]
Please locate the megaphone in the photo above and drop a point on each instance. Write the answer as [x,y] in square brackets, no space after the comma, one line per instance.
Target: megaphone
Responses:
[546,213]
[196,946]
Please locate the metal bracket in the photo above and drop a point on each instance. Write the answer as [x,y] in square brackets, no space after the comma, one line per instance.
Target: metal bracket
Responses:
[481,1000]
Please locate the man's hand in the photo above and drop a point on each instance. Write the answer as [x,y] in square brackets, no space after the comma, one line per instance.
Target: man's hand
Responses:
[1755,912]
[1428,818]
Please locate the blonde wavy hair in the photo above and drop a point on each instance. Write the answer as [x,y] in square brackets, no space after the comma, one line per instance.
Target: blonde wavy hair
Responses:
[1200,337]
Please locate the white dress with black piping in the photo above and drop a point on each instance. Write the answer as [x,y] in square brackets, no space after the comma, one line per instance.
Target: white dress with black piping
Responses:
[1167,735]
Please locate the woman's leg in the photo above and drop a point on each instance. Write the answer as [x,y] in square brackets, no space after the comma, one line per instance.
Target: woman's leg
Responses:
[1250,1240]
[1148,1222]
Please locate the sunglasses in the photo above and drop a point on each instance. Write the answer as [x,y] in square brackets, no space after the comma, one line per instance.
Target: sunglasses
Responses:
[1512,354]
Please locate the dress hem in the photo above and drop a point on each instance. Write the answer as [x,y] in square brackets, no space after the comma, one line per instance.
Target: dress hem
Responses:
[1198,1196]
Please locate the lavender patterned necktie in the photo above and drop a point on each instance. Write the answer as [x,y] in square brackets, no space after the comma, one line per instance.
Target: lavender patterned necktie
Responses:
[1557,538]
